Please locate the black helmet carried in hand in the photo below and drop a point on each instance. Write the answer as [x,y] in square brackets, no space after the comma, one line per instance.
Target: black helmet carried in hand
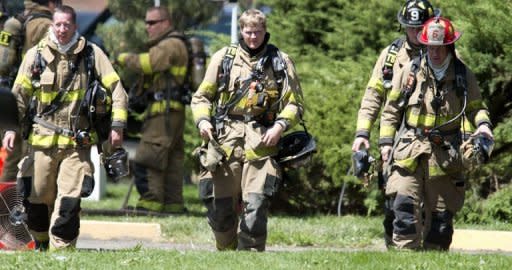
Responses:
[482,148]
[415,12]
[296,149]
[361,162]
[116,165]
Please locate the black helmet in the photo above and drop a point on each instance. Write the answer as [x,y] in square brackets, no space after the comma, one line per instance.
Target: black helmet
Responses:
[296,149]
[116,164]
[415,12]
[482,148]
[361,162]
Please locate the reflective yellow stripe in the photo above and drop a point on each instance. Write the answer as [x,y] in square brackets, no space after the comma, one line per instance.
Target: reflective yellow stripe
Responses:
[394,94]
[364,124]
[120,115]
[145,64]
[150,205]
[252,154]
[242,103]
[178,71]
[409,164]
[46,141]
[201,111]
[25,82]
[482,116]
[467,126]
[376,84]
[48,97]
[291,96]
[224,97]
[436,171]
[387,132]
[289,114]
[228,150]
[422,120]
[109,79]
[122,58]
[207,88]
[159,107]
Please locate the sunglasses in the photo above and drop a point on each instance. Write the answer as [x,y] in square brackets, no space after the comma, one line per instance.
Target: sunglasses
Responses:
[153,22]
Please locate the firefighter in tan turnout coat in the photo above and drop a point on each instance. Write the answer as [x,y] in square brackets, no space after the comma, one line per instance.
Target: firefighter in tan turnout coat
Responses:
[391,61]
[50,89]
[38,18]
[251,105]
[160,155]
[421,135]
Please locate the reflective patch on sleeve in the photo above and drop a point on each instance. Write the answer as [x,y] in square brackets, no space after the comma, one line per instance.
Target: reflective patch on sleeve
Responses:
[109,79]
[376,84]
[145,63]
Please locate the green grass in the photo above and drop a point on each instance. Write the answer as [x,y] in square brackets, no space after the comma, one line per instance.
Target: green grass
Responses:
[310,231]
[310,242]
[161,259]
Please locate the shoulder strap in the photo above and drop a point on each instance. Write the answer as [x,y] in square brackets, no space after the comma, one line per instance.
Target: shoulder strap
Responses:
[225,67]
[460,78]
[411,81]
[387,69]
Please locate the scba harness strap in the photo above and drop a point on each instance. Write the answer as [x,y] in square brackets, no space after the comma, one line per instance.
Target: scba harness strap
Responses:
[387,69]
[94,95]
[434,134]
[271,57]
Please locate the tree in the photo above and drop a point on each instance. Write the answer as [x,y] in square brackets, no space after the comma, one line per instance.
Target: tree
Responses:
[335,44]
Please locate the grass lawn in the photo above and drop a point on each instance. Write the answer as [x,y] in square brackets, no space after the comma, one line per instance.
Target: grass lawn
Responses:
[309,242]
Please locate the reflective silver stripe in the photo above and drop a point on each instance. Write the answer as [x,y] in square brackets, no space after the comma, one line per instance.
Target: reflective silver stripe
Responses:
[57,129]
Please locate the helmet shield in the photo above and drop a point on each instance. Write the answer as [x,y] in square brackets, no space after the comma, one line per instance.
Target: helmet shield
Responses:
[438,31]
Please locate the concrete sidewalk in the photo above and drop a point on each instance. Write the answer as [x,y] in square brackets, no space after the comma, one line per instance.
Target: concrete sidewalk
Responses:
[478,240]
[106,235]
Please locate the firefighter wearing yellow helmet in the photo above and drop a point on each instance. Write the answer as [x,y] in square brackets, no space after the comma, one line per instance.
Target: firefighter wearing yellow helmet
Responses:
[421,134]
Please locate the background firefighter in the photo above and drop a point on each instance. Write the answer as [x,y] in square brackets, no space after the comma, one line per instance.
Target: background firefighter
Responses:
[52,82]
[26,30]
[427,105]
[160,154]
[252,109]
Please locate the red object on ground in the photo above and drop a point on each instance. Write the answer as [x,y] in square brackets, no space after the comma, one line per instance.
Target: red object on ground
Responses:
[3,155]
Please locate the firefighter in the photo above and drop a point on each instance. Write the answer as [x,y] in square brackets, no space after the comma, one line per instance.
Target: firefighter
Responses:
[391,60]
[254,94]
[50,88]
[420,133]
[37,18]
[159,160]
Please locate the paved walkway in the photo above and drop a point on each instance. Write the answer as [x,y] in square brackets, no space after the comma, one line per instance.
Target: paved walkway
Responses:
[104,235]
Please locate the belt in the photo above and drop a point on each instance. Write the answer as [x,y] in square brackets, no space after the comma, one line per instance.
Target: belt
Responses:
[435,136]
[57,129]
[243,118]
[160,95]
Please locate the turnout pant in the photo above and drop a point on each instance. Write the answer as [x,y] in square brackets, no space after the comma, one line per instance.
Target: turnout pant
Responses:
[237,197]
[423,206]
[159,163]
[54,181]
